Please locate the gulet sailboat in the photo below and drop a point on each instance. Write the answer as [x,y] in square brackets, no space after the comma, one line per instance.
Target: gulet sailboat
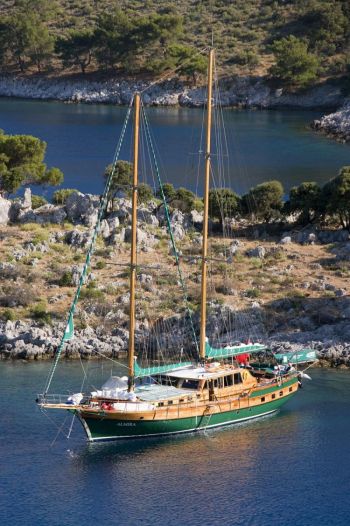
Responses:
[220,386]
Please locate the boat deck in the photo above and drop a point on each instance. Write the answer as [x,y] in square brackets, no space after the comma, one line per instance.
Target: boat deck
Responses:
[154,392]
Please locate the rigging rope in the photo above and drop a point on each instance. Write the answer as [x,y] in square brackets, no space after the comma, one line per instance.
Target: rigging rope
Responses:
[169,227]
[104,200]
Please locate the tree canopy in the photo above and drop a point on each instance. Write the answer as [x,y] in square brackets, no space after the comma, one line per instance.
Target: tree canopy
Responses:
[336,195]
[223,202]
[295,65]
[22,163]
[305,199]
[264,201]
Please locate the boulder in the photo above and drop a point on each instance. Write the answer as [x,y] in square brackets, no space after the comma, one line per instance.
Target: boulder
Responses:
[113,222]
[145,216]
[117,237]
[124,210]
[5,214]
[196,217]
[257,252]
[78,239]
[82,208]
[286,240]
[104,229]
[145,240]
[27,200]
[178,231]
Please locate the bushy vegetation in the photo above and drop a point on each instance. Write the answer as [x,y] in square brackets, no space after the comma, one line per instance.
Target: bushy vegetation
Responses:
[305,39]
[295,65]
[60,196]
[38,201]
[22,163]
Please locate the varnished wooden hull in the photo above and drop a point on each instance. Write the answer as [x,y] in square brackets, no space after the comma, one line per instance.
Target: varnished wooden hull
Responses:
[100,425]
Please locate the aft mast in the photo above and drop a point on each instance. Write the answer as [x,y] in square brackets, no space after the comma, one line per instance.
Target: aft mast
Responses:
[131,353]
[203,318]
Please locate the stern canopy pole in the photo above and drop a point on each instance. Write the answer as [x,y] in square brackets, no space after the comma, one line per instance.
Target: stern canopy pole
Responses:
[131,352]
[203,318]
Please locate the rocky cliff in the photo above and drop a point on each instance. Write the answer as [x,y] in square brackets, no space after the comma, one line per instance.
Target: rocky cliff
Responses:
[250,92]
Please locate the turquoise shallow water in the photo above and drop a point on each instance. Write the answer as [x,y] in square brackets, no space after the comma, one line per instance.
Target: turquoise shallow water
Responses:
[289,469]
[262,145]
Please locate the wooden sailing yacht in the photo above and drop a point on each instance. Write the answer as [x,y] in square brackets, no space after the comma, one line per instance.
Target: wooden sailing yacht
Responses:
[213,391]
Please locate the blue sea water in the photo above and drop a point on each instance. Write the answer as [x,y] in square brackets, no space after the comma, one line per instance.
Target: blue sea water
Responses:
[289,469]
[262,145]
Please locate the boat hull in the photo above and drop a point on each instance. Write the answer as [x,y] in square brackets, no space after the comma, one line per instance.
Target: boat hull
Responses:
[99,428]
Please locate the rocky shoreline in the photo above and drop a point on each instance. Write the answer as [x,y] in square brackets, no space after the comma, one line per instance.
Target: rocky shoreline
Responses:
[247,92]
[21,340]
[335,125]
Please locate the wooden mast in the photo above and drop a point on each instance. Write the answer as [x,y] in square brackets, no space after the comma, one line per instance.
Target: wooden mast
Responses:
[131,352]
[203,318]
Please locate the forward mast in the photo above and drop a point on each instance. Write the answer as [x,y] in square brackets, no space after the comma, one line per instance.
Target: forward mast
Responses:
[133,255]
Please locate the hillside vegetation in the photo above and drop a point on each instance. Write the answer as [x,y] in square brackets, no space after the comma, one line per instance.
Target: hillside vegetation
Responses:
[298,42]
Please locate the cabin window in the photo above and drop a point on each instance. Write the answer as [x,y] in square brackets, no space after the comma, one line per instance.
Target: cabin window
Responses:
[262,398]
[161,404]
[273,396]
[218,382]
[290,389]
[190,384]
[228,380]
[281,393]
[170,402]
[237,378]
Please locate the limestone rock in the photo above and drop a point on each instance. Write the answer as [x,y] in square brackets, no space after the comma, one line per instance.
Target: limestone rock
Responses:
[27,200]
[145,216]
[286,240]
[5,207]
[257,252]
[82,208]
[145,240]
[78,239]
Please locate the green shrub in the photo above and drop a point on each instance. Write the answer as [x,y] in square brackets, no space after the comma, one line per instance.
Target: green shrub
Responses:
[38,201]
[66,279]
[39,312]
[60,196]
[252,293]
[9,315]
[91,293]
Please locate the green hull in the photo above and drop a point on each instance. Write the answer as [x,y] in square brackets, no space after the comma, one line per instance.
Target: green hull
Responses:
[104,429]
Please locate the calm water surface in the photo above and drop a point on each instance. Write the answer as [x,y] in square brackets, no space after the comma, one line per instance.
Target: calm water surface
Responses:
[262,145]
[289,469]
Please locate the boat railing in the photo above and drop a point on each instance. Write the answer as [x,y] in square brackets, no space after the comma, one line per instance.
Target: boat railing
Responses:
[43,398]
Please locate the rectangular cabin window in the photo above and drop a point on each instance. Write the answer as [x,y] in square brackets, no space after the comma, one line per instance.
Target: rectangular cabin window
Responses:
[281,393]
[170,402]
[161,404]
[273,396]
[228,380]
[190,384]
[218,382]
[290,389]
[237,378]
[262,399]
